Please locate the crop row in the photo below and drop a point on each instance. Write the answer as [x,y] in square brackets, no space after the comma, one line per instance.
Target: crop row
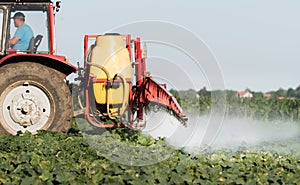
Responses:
[85,158]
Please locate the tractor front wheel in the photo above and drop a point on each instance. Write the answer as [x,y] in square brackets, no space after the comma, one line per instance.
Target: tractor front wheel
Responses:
[33,97]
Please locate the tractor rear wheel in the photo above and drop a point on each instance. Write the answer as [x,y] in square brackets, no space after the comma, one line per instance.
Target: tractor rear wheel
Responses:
[33,97]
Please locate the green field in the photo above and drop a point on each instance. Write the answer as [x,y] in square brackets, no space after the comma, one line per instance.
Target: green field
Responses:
[120,156]
[52,158]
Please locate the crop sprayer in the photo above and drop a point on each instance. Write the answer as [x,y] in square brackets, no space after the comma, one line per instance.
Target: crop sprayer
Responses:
[34,94]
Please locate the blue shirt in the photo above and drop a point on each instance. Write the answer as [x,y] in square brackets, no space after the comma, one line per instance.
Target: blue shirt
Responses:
[24,33]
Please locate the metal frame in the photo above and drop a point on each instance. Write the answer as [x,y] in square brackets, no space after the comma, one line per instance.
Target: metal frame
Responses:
[143,92]
[52,60]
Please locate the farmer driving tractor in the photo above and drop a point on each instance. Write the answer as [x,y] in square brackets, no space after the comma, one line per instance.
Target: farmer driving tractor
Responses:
[23,34]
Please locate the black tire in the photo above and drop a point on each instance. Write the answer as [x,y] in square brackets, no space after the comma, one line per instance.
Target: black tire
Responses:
[34,97]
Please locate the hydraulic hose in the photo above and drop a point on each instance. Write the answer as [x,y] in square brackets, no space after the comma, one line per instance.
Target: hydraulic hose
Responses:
[123,108]
[107,89]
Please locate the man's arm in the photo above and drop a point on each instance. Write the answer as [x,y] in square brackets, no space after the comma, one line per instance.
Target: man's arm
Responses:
[18,35]
[13,41]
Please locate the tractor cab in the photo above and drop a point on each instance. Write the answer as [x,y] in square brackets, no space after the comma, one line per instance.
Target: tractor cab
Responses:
[38,16]
[33,92]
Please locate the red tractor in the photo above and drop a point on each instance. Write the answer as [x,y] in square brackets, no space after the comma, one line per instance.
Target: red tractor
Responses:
[33,91]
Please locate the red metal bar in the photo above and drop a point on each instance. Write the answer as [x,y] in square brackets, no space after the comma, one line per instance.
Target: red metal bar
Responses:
[138,62]
[139,78]
[52,43]
[154,92]
[128,45]
[86,46]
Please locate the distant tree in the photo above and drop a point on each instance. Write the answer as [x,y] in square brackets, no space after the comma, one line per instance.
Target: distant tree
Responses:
[218,93]
[176,95]
[231,93]
[258,94]
[280,92]
[291,93]
[247,89]
[204,92]
[297,92]
[190,93]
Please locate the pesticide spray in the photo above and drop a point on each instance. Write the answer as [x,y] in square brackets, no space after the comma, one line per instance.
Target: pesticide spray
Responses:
[233,134]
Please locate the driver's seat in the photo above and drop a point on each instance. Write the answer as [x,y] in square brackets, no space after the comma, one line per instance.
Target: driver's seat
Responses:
[34,43]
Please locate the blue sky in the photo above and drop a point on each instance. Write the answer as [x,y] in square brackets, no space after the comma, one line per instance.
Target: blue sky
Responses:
[256,43]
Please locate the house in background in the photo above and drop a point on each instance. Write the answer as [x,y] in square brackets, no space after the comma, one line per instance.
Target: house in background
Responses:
[244,94]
